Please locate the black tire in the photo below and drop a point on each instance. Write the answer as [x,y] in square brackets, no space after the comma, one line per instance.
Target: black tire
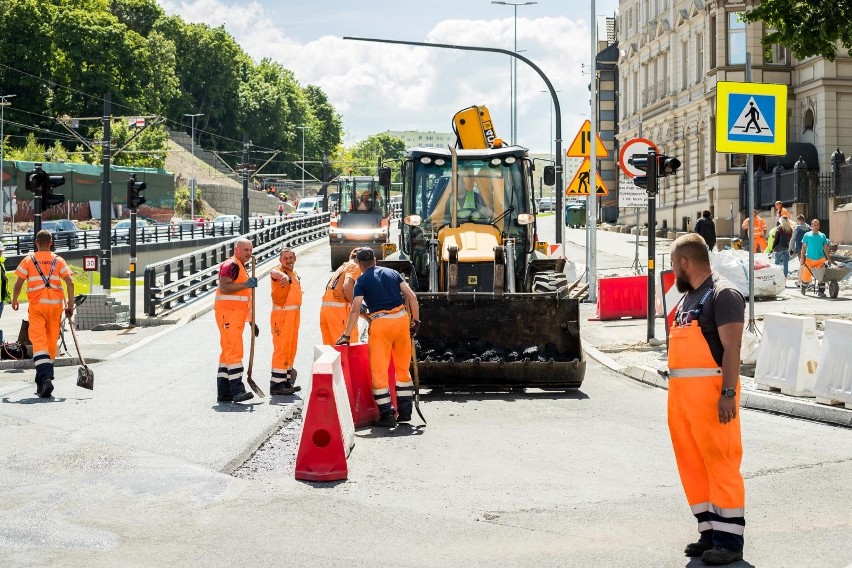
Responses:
[338,257]
[549,282]
[833,289]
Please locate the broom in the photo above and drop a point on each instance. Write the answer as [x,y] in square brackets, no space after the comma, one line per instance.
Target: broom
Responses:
[249,380]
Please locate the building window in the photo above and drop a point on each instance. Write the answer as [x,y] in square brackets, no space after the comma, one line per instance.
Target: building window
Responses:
[684,65]
[699,57]
[712,37]
[774,54]
[736,39]
[736,161]
[808,121]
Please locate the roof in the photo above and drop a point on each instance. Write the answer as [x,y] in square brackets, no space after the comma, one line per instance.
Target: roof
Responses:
[518,151]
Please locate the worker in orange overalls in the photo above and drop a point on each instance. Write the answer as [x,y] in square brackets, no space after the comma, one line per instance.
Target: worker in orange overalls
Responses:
[337,300]
[43,271]
[703,397]
[233,300]
[392,328]
[284,322]
[758,243]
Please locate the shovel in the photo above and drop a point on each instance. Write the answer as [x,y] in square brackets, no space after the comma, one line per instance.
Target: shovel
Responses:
[85,376]
[249,380]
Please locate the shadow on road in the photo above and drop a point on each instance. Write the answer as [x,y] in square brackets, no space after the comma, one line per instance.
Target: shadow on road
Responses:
[463,397]
[235,407]
[284,399]
[401,429]
[697,563]
[38,400]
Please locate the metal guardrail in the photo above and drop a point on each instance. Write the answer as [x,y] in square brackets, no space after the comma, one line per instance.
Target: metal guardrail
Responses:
[183,278]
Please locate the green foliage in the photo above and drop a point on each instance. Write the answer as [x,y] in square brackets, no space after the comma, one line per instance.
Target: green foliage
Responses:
[148,150]
[182,201]
[808,28]
[383,146]
[31,151]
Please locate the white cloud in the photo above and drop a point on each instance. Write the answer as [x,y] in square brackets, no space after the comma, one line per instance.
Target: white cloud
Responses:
[379,87]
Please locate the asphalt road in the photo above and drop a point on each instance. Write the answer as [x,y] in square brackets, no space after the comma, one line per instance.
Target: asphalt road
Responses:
[134,474]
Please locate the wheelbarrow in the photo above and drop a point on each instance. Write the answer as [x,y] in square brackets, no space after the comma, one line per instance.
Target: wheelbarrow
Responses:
[831,275]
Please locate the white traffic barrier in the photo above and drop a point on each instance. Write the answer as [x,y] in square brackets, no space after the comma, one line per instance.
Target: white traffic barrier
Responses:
[787,355]
[327,361]
[833,381]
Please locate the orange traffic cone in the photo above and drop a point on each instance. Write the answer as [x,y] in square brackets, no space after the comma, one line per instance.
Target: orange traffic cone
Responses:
[322,451]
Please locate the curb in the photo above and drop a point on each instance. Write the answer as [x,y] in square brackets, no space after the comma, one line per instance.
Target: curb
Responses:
[753,400]
[28,363]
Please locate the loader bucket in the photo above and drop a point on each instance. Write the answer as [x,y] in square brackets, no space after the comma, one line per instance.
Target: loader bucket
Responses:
[478,342]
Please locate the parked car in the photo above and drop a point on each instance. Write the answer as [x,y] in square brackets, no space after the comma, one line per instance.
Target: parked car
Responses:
[225,224]
[308,206]
[546,204]
[121,231]
[65,235]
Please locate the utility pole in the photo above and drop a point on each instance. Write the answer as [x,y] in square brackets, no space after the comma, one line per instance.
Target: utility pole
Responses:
[303,128]
[592,200]
[244,210]
[106,198]
[652,189]
[192,181]
[3,104]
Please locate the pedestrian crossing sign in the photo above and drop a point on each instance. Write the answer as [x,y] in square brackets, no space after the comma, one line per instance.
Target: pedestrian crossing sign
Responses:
[751,118]
[580,184]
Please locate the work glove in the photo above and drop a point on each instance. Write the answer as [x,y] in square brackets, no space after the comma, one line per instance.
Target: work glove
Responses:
[415,327]
[251,282]
[344,340]
[256,329]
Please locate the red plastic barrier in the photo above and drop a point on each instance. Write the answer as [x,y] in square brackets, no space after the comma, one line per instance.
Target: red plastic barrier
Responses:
[671,297]
[322,455]
[356,371]
[622,297]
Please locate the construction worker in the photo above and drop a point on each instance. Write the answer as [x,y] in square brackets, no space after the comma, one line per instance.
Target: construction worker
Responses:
[284,322]
[44,272]
[780,211]
[392,328]
[471,205]
[233,300]
[758,243]
[815,253]
[337,300]
[703,397]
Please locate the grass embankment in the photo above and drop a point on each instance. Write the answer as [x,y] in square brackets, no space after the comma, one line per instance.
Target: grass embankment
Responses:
[81,282]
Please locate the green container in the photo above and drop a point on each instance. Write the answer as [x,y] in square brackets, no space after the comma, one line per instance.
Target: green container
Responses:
[575,215]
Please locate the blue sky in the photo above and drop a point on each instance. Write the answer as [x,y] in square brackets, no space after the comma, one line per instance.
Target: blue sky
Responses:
[385,87]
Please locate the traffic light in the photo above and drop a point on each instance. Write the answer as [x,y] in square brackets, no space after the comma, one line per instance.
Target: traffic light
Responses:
[134,192]
[35,180]
[667,166]
[640,161]
[50,198]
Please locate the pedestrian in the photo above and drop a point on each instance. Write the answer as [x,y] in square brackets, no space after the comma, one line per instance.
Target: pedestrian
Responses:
[703,397]
[44,271]
[233,300]
[781,248]
[799,231]
[337,300]
[392,329]
[758,243]
[4,281]
[814,254]
[280,211]
[284,322]
[706,228]
[780,211]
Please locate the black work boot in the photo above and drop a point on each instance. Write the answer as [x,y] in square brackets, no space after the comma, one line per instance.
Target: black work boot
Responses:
[277,389]
[696,549]
[38,382]
[717,556]
[386,420]
[46,389]
[223,390]
[238,391]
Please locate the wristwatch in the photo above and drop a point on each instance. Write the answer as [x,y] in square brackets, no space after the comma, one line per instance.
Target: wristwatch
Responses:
[730,393]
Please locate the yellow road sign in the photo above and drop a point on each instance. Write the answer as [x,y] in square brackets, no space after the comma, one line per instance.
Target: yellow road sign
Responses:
[581,146]
[580,184]
[751,118]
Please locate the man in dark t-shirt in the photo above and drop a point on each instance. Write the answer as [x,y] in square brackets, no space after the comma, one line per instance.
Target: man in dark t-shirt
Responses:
[704,364]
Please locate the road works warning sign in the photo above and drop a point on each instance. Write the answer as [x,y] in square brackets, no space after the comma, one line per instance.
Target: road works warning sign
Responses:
[751,118]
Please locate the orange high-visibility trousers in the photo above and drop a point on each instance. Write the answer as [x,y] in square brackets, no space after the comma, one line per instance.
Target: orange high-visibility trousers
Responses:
[44,334]
[708,453]
[284,323]
[333,318]
[390,337]
[231,323]
[805,273]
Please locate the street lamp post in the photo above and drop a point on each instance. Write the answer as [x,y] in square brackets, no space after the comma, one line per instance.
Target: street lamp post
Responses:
[303,128]
[514,68]
[192,181]
[3,104]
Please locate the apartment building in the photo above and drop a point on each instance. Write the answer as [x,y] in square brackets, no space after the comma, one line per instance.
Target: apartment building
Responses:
[671,55]
[418,139]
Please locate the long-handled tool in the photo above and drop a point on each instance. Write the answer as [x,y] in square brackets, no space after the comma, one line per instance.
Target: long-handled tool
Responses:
[249,380]
[416,381]
[85,376]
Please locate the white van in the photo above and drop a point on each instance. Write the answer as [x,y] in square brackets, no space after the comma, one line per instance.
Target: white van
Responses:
[308,205]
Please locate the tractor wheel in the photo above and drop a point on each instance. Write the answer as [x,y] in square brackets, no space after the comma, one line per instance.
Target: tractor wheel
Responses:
[338,257]
[547,282]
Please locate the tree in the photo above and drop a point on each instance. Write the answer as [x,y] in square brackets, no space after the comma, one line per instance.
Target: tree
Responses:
[31,151]
[808,28]
[138,15]
[328,121]
[376,146]
[148,150]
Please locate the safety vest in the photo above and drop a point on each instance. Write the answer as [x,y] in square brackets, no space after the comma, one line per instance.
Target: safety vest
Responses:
[334,295]
[235,300]
[469,201]
[44,277]
[287,297]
